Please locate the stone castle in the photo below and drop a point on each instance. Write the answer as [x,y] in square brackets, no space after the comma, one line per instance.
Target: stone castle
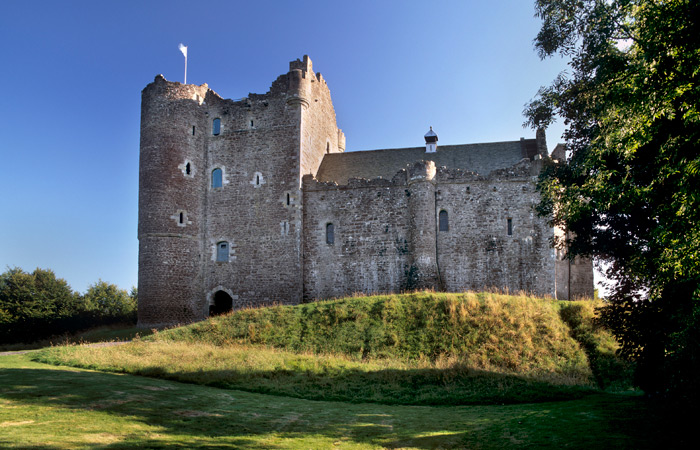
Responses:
[255,201]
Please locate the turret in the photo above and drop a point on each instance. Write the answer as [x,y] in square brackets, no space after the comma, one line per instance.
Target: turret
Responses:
[431,139]
[171,170]
[422,241]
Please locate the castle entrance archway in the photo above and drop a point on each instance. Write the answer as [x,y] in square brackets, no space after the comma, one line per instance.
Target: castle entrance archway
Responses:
[222,303]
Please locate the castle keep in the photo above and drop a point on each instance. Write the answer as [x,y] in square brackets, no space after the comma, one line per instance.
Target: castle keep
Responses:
[255,201]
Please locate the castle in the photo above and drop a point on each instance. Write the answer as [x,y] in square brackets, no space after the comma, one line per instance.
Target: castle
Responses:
[255,201]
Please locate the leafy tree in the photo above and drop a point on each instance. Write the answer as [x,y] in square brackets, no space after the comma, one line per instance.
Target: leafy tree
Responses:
[630,193]
[109,302]
[33,303]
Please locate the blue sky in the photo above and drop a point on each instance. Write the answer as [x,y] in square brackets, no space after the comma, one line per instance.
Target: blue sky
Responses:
[73,72]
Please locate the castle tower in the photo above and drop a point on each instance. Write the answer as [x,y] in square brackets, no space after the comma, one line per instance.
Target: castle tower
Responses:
[422,214]
[220,204]
[170,203]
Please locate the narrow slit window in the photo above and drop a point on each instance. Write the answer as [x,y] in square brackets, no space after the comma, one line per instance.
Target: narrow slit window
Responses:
[188,169]
[330,234]
[192,130]
[222,251]
[216,127]
[287,199]
[257,180]
[182,218]
[328,147]
[510,227]
[216,178]
[444,224]
[251,123]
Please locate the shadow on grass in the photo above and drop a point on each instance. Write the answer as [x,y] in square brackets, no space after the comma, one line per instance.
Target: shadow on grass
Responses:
[421,387]
[187,416]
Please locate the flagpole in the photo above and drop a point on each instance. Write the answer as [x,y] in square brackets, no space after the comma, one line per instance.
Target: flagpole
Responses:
[183,49]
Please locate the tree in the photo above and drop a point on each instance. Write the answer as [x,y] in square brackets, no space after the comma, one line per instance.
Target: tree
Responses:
[630,191]
[32,305]
[109,302]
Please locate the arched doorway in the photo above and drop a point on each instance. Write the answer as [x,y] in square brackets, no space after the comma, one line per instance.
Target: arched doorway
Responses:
[222,304]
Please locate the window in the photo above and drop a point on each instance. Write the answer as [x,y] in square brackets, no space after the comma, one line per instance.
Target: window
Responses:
[251,123]
[192,130]
[216,178]
[330,234]
[182,218]
[288,199]
[257,180]
[510,227]
[328,147]
[216,127]
[188,169]
[222,252]
[443,221]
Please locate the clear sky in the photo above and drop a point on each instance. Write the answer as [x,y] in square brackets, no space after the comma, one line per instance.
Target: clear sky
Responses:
[72,74]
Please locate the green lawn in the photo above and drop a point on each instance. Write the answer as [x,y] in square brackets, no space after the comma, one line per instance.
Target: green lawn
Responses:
[54,407]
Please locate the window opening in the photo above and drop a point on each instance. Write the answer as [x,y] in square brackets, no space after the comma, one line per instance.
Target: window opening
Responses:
[216,178]
[251,123]
[188,169]
[182,218]
[192,130]
[287,199]
[443,221]
[257,180]
[328,147]
[330,234]
[216,127]
[222,251]
[510,227]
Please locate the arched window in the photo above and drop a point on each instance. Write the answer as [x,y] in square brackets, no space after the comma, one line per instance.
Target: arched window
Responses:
[216,178]
[444,221]
[330,234]
[222,251]
[188,169]
[216,127]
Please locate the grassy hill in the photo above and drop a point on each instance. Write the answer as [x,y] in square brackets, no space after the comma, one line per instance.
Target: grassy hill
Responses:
[420,348]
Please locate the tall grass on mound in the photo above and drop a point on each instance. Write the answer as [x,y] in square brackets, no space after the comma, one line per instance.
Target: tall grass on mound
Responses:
[512,334]
[259,369]
[609,370]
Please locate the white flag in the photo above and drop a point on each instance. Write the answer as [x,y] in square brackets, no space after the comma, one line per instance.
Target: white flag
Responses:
[183,49]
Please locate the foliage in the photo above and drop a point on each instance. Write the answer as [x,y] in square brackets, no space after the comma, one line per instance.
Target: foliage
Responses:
[37,305]
[108,301]
[630,193]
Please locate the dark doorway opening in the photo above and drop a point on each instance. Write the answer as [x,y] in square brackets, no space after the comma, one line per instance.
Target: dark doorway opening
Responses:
[223,303]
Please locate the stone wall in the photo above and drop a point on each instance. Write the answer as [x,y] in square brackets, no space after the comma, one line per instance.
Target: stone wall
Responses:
[387,236]
[480,249]
[370,252]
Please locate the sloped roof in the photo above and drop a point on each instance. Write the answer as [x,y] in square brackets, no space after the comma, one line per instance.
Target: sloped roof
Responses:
[479,158]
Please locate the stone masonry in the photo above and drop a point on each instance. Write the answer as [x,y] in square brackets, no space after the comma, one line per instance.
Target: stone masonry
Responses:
[255,202]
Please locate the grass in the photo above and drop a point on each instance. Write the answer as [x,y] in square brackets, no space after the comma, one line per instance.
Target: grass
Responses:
[423,370]
[99,334]
[254,368]
[52,407]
